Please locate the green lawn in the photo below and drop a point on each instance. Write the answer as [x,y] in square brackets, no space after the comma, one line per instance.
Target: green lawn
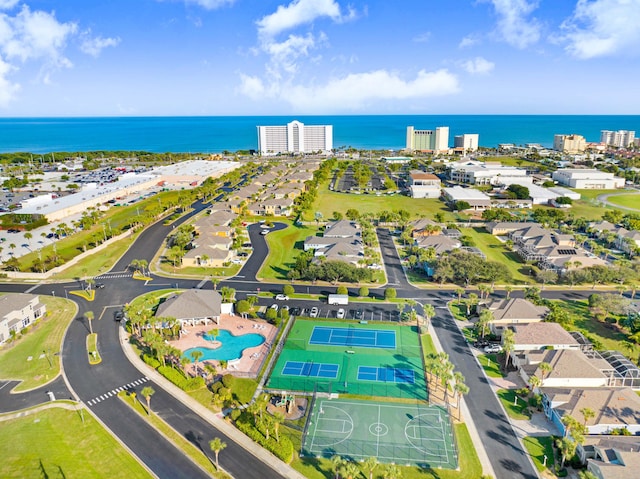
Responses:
[427,345]
[459,311]
[629,200]
[593,194]
[329,201]
[519,410]
[609,335]
[538,447]
[198,271]
[511,161]
[489,363]
[470,467]
[497,251]
[284,246]
[56,443]
[43,339]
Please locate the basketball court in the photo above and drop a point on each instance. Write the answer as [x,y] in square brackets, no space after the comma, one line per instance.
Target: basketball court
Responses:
[402,433]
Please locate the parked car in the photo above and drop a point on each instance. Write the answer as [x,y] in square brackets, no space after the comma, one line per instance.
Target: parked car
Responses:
[481,343]
[274,306]
[340,313]
[282,297]
[264,232]
[118,315]
[99,285]
[358,314]
[294,311]
[314,312]
[493,348]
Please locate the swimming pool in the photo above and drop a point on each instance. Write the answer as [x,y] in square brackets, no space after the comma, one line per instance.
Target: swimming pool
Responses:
[231,348]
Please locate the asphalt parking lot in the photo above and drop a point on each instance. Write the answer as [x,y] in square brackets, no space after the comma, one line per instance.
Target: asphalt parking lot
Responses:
[354,311]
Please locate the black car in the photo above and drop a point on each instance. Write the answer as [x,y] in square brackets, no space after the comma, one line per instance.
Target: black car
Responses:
[99,285]
[118,316]
[481,343]
[294,311]
[358,314]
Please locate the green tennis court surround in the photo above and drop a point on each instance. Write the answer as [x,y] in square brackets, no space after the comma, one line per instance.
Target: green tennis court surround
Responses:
[353,358]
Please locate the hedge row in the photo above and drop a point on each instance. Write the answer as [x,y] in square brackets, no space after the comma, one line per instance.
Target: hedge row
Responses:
[180,380]
[282,449]
[151,361]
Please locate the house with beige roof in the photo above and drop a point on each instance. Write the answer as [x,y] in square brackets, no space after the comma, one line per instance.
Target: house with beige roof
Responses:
[424,185]
[341,241]
[508,312]
[440,243]
[537,336]
[614,408]
[603,451]
[570,368]
[18,311]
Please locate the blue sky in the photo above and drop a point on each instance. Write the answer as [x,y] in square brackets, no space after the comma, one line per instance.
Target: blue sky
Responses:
[264,57]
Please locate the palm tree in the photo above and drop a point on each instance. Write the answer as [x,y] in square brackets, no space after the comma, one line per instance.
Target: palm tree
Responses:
[545,369]
[89,282]
[369,465]
[486,316]
[147,392]
[508,289]
[460,388]
[336,465]
[89,317]
[508,344]
[535,382]
[587,413]
[429,312]
[391,471]
[459,293]
[28,237]
[350,470]
[278,418]
[217,445]
[567,448]
[196,355]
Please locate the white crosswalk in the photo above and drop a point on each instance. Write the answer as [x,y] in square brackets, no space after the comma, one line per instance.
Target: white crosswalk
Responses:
[114,275]
[115,391]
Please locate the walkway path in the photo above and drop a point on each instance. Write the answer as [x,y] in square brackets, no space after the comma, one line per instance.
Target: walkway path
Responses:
[605,199]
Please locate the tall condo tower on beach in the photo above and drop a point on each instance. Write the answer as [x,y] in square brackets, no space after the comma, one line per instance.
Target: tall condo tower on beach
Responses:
[428,140]
[295,137]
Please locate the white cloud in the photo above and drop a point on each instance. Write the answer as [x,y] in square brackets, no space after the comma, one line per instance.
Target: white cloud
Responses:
[478,66]
[468,41]
[514,25]
[8,89]
[94,45]
[354,91]
[422,37]
[299,12]
[603,27]
[37,35]
[8,4]
[284,54]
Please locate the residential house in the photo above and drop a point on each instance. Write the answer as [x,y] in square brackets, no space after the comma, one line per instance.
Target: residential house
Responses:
[271,207]
[424,185]
[512,311]
[477,200]
[341,229]
[193,306]
[341,241]
[503,228]
[440,243]
[614,408]
[538,336]
[602,448]
[18,311]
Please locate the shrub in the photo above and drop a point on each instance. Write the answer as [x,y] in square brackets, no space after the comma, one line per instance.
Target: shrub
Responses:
[288,289]
[173,375]
[235,414]
[193,384]
[390,293]
[151,360]
[342,290]
[282,449]
[271,315]
[363,292]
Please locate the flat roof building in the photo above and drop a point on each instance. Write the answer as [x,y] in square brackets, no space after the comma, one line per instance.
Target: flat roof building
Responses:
[620,138]
[468,142]
[295,137]
[587,179]
[571,144]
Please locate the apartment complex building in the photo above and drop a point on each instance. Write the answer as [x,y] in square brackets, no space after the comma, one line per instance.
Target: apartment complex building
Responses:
[468,142]
[295,137]
[571,144]
[428,140]
[620,138]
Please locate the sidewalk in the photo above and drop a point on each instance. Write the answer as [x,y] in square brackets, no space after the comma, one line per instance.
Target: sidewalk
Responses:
[212,418]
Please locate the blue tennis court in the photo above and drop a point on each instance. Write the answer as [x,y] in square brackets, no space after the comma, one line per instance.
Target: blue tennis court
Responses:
[363,338]
[387,375]
[310,369]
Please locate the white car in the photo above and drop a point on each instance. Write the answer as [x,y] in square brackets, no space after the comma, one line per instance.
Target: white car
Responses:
[264,232]
[274,306]
[282,297]
[493,348]
[314,312]
[340,314]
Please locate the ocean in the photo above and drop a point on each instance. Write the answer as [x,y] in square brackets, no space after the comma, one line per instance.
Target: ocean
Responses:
[216,134]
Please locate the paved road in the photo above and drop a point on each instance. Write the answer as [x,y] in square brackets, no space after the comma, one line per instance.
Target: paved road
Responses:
[605,199]
[13,402]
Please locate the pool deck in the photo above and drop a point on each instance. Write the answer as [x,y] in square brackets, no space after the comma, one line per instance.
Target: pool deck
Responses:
[251,358]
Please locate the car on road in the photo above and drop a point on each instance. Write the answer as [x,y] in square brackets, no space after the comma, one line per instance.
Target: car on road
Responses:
[340,313]
[282,297]
[358,314]
[118,315]
[314,312]
[99,285]
[264,232]
[493,348]
[264,226]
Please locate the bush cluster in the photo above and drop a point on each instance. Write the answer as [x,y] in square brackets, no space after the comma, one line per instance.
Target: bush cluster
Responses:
[282,449]
[180,380]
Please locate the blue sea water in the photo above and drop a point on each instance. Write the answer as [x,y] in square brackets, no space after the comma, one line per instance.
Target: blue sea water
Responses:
[232,133]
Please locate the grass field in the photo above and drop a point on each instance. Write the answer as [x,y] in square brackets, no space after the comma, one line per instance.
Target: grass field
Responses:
[515,410]
[329,201]
[406,355]
[398,433]
[197,271]
[41,344]
[497,251]
[490,365]
[56,443]
[284,246]
[630,200]
[427,345]
[538,447]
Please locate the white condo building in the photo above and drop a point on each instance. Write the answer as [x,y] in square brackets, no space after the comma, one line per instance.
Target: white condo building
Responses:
[295,137]
[620,138]
[587,179]
[428,140]
[468,142]
[571,144]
